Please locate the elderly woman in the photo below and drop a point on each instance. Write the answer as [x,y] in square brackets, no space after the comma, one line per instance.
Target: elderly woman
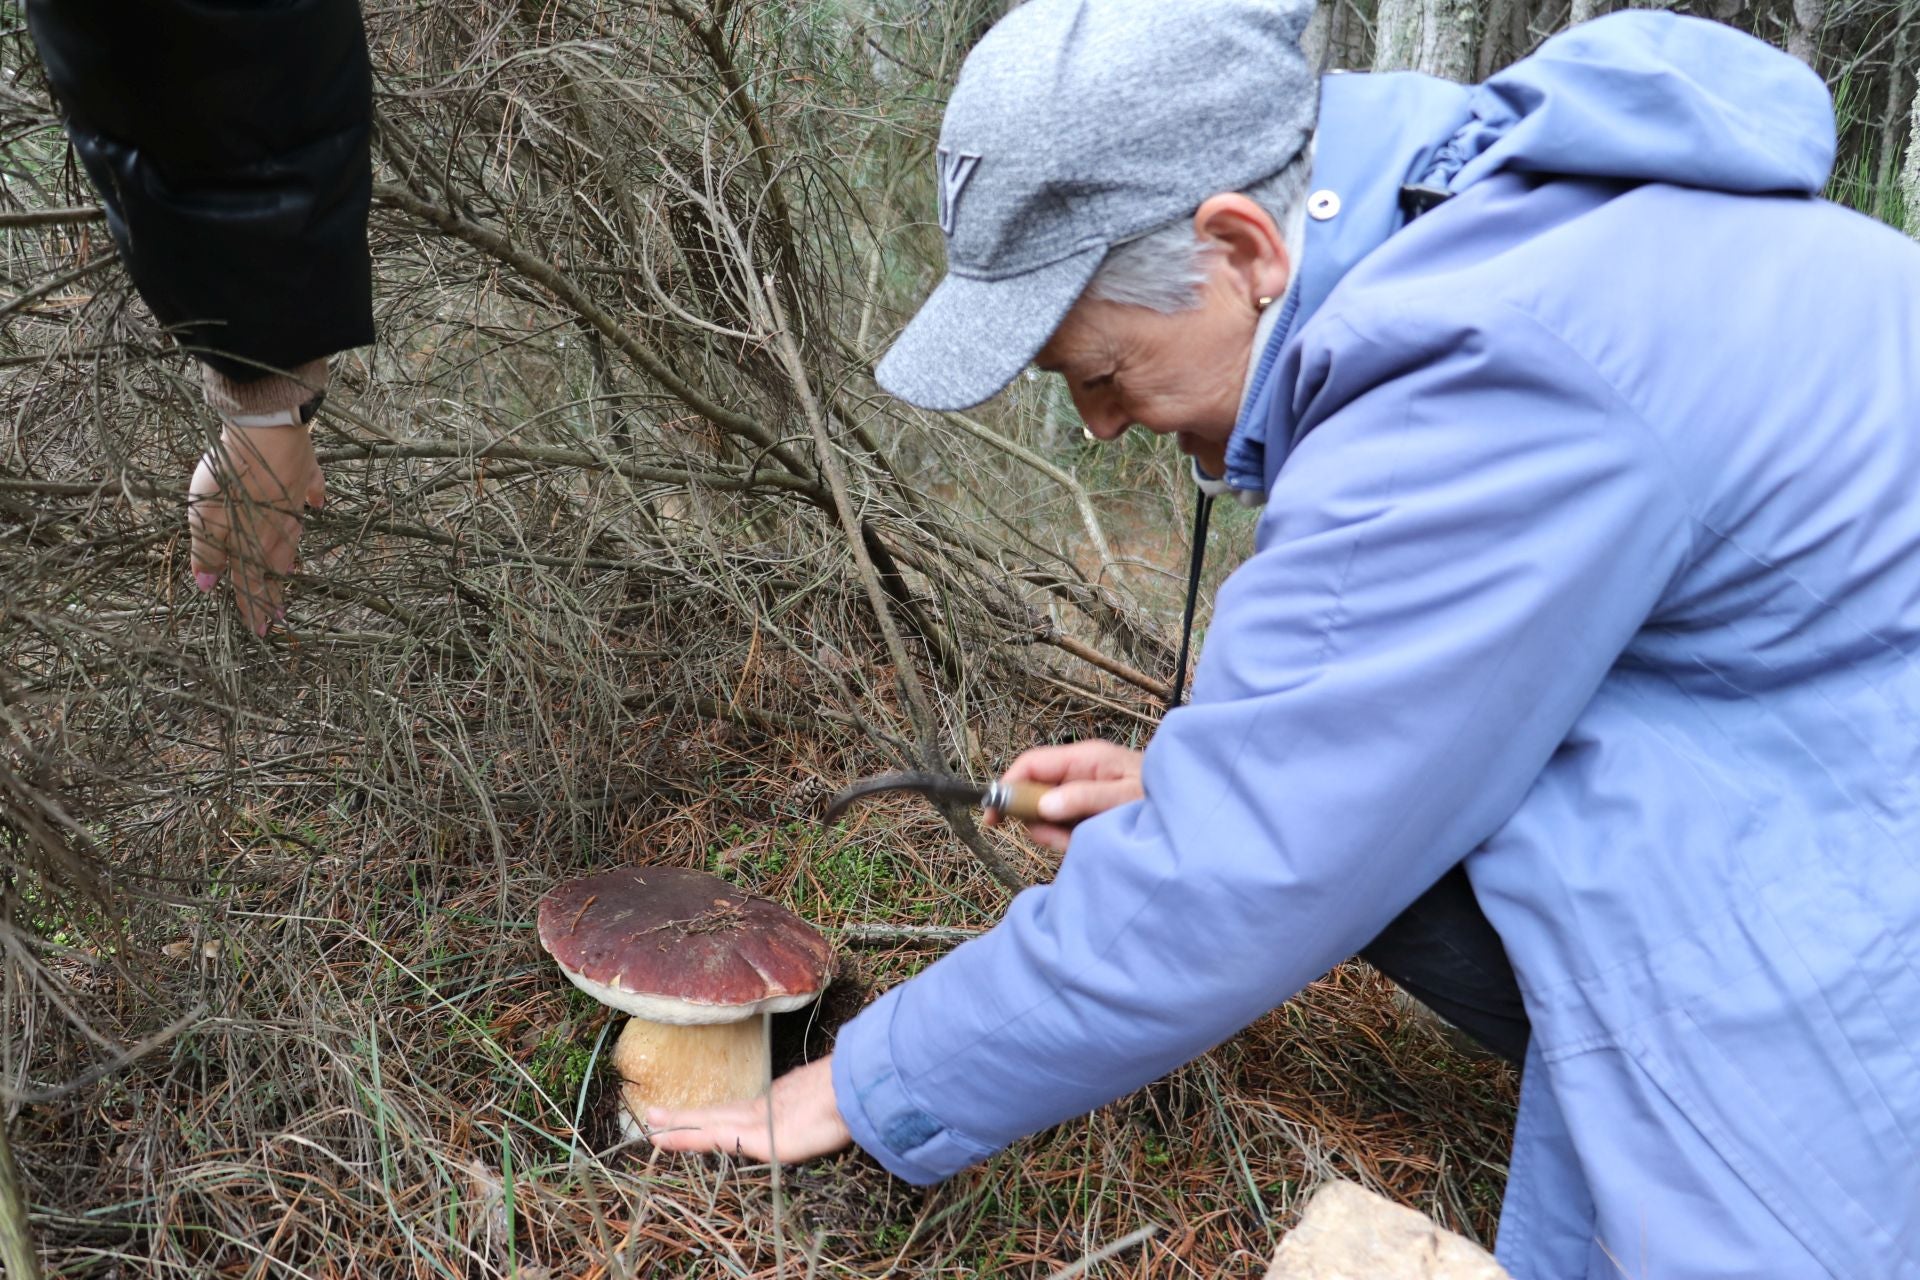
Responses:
[1589,562]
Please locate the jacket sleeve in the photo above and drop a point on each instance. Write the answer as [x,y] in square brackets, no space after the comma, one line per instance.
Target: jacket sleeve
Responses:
[230,146]
[1453,557]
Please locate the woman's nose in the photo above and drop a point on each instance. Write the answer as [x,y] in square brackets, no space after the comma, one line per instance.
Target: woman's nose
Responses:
[1104,420]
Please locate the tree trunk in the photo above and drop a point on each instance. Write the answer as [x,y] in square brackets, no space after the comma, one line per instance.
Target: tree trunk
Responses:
[1451,49]
[1910,177]
[1316,42]
[1439,37]
[1804,40]
[1495,36]
[1396,40]
[1339,45]
[1900,88]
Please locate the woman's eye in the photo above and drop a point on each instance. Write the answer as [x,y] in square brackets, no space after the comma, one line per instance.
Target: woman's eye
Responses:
[1091,384]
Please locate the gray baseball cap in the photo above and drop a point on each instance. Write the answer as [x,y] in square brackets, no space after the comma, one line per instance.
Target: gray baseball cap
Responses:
[1077,125]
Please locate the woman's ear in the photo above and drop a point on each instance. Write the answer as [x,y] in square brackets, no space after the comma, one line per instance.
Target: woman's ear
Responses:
[1249,243]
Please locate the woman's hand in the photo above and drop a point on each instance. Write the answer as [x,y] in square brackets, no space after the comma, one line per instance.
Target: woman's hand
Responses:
[1087,778]
[243,509]
[805,1121]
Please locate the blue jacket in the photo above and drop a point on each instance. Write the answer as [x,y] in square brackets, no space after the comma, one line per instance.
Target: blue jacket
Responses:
[1592,556]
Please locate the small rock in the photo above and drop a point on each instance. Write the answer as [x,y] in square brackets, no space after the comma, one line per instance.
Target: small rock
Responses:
[1349,1233]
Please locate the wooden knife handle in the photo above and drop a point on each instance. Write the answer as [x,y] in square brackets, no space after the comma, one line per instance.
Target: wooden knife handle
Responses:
[1023,802]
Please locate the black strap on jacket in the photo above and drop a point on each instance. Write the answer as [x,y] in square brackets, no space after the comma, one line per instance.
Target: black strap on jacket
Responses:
[1202,506]
[1414,201]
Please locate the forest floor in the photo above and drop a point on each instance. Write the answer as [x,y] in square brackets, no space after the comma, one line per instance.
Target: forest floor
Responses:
[389,1078]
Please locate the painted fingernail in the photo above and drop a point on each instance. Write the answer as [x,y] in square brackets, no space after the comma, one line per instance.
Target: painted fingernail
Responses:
[260,629]
[280,614]
[204,580]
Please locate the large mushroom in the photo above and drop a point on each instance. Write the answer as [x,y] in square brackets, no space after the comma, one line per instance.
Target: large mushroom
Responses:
[700,966]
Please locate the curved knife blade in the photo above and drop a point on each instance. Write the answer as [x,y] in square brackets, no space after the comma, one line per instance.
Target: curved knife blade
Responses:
[935,786]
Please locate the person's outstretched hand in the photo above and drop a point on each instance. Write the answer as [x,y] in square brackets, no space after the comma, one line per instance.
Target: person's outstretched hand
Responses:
[1087,778]
[243,509]
[806,1121]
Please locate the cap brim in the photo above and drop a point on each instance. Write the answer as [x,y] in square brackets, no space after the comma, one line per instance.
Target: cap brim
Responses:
[973,336]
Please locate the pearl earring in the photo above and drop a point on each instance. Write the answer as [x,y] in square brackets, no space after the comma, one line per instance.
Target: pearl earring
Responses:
[1263,303]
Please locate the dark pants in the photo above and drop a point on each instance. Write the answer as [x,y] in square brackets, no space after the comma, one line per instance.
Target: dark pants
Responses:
[1443,952]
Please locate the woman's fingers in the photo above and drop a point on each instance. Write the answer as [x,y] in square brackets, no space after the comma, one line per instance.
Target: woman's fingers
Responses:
[244,522]
[738,1128]
[1086,778]
[253,593]
[796,1120]
[281,547]
[1091,759]
[206,526]
[258,546]
[1071,801]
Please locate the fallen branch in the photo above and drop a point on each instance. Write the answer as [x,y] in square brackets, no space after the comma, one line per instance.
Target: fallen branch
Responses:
[51,217]
[912,934]
[554,456]
[456,450]
[1099,1256]
[1112,666]
[1088,694]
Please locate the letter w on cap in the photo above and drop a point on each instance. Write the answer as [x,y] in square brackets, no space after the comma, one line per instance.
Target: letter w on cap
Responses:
[955,169]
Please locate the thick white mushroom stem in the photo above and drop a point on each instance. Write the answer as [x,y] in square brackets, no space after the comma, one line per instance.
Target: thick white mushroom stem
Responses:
[675,1066]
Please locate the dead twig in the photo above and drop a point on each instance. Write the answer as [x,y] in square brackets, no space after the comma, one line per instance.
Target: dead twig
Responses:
[1112,666]
[93,1075]
[15,305]
[911,689]
[15,219]
[1089,519]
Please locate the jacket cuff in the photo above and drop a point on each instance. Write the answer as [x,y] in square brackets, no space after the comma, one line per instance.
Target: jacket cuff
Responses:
[230,397]
[883,1117]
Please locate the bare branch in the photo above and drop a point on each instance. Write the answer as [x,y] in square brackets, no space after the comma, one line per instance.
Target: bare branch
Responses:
[15,219]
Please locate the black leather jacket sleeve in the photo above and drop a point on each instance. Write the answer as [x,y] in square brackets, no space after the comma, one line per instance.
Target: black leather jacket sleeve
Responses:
[229,142]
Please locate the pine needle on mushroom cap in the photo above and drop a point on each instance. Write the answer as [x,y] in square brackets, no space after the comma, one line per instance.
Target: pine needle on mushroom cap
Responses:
[682,947]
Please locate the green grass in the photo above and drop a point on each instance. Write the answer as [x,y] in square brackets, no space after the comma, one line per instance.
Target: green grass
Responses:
[1867,173]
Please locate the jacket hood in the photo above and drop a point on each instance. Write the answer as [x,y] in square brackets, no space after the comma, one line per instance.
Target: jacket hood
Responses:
[1634,97]
[1650,97]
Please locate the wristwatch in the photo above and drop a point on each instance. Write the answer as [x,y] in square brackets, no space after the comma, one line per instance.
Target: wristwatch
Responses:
[298,416]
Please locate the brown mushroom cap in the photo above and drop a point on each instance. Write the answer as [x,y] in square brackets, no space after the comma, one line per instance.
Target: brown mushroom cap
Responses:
[681,947]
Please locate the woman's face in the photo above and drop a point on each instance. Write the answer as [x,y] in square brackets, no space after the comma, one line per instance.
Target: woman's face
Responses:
[1178,374]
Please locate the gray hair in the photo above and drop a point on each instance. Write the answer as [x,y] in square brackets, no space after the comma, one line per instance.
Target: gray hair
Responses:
[1164,269]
